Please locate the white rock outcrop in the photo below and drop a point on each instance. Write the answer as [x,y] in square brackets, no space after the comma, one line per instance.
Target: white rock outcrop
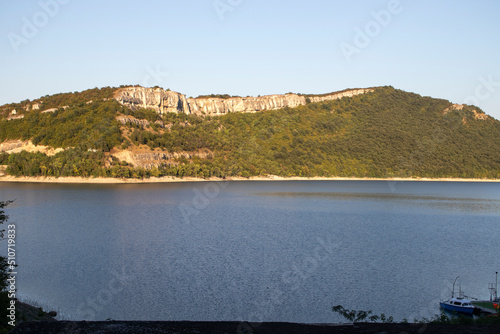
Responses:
[17,146]
[164,101]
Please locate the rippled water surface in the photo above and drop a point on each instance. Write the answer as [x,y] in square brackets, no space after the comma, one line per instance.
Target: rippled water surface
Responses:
[259,251]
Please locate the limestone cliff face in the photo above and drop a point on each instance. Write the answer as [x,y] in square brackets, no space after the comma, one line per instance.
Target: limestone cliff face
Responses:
[132,120]
[16,146]
[149,159]
[218,106]
[163,101]
[339,95]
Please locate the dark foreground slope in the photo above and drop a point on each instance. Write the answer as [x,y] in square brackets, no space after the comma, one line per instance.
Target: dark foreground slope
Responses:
[132,327]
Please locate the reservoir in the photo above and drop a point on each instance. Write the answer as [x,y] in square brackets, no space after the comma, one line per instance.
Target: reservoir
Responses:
[254,251]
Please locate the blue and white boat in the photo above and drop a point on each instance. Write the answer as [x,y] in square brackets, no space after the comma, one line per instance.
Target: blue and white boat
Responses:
[457,304]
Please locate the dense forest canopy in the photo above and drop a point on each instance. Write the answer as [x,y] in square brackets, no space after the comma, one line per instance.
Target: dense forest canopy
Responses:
[60,100]
[385,133]
[85,125]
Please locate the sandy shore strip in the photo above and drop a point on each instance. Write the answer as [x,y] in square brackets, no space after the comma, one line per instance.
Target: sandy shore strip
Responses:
[167,179]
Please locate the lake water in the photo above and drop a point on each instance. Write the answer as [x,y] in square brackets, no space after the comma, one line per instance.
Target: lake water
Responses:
[257,251]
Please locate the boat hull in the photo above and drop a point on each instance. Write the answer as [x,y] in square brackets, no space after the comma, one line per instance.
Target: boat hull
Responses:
[455,308]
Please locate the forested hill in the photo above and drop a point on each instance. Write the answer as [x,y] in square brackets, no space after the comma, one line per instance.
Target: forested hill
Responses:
[384,133]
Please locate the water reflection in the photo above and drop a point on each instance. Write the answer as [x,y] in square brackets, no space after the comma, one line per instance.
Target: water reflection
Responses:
[437,202]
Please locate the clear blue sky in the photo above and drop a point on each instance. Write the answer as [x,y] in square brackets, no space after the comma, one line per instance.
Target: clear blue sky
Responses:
[446,49]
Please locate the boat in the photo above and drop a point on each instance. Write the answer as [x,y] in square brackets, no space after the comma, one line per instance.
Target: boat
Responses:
[458,304]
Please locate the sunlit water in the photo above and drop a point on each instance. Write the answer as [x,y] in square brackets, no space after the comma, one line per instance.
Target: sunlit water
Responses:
[258,251]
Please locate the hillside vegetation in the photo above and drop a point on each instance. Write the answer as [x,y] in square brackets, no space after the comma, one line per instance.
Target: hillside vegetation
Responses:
[60,100]
[386,133]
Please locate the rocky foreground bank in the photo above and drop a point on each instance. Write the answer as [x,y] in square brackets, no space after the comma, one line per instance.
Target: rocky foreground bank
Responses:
[184,327]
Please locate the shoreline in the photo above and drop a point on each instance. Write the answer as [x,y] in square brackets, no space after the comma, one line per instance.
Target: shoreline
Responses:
[172,179]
